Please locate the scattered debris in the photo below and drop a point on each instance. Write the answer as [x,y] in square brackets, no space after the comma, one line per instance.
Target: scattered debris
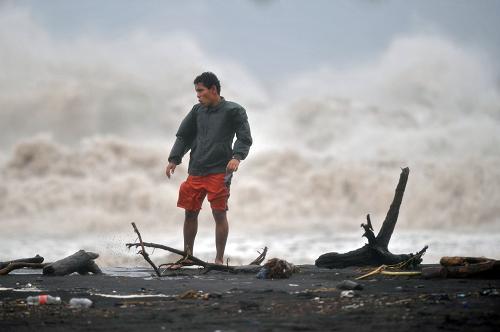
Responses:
[395,269]
[276,268]
[198,295]
[132,296]
[81,303]
[489,292]
[43,299]
[347,293]
[352,306]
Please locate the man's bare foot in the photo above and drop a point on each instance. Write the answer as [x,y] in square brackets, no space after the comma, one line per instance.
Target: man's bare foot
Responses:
[219,262]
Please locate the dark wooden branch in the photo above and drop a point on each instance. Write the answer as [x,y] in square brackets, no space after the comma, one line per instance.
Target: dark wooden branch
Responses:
[376,251]
[143,251]
[369,222]
[385,233]
[19,265]
[187,256]
[369,231]
[36,259]
[260,258]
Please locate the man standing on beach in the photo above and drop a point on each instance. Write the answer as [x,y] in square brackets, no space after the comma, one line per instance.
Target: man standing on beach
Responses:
[208,131]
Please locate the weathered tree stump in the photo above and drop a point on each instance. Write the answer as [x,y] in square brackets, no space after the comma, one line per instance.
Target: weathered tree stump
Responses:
[82,262]
[376,251]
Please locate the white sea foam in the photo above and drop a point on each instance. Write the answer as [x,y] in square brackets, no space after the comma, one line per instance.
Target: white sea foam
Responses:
[328,146]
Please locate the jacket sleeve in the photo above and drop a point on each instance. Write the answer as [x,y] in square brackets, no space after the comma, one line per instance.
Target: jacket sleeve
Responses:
[243,135]
[185,135]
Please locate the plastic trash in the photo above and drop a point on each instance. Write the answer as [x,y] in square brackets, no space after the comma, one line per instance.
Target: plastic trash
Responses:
[263,273]
[80,303]
[43,299]
[347,293]
[489,292]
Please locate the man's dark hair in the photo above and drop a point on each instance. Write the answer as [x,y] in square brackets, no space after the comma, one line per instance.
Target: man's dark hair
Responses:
[208,79]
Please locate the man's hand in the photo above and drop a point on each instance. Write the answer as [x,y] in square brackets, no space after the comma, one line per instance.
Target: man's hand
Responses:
[170,169]
[232,166]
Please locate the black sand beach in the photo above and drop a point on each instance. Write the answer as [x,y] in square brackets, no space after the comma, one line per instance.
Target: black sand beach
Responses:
[240,302]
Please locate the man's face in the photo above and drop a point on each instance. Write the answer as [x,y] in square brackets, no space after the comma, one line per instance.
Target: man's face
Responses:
[206,96]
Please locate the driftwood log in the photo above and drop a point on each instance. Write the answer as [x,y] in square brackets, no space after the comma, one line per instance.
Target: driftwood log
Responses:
[464,267]
[35,259]
[32,262]
[254,266]
[82,262]
[376,251]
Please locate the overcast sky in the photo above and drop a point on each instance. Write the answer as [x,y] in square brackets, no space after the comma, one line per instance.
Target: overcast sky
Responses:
[273,38]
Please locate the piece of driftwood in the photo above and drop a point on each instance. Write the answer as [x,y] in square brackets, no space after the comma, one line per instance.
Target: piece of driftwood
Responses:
[31,262]
[35,259]
[464,267]
[188,257]
[82,262]
[376,251]
[185,256]
[19,265]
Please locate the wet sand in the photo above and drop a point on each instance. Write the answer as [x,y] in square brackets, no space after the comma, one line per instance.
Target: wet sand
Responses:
[240,302]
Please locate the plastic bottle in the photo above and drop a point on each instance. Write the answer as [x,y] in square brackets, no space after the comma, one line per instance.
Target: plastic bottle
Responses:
[43,299]
[80,303]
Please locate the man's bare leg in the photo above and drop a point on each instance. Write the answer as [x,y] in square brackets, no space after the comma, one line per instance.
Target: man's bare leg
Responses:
[190,229]
[221,231]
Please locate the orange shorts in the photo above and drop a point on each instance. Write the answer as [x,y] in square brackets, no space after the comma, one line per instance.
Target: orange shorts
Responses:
[193,191]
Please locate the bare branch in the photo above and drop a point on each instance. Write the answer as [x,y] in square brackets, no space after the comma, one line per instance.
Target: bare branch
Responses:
[369,231]
[385,233]
[143,251]
[187,256]
[260,258]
